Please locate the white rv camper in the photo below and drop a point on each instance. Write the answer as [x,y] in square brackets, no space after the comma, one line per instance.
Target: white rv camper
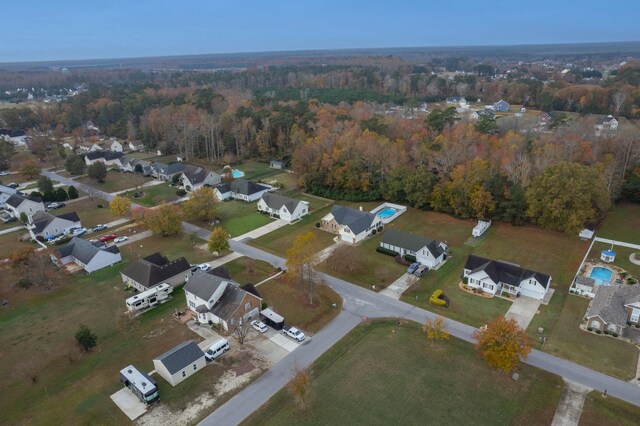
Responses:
[149,298]
[481,228]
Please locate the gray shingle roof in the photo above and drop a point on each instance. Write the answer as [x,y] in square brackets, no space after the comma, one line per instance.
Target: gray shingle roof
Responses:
[205,284]
[15,200]
[411,242]
[276,201]
[6,190]
[504,272]
[245,187]
[356,220]
[107,155]
[181,356]
[82,250]
[41,219]
[609,302]
[154,269]
[195,174]
[168,169]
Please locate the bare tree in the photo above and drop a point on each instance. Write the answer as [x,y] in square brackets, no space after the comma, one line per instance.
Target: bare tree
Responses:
[619,99]
[91,191]
[241,331]
[299,384]
[41,271]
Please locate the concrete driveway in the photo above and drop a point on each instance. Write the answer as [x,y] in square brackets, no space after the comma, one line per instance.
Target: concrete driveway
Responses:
[129,403]
[399,286]
[522,310]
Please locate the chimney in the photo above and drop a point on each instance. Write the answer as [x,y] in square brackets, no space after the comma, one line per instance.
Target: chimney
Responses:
[360,208]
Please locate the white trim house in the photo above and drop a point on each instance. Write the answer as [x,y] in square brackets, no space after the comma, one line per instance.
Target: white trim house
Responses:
[45,225]
[194,177]
[427,251]
[90,257]
[180,362]
[285,208]
[350,224]
[17,204]
[494,276]
[241,189]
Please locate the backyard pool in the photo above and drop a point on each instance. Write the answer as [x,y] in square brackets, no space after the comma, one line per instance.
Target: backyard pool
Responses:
[387,212]
[601,275]
[237,174]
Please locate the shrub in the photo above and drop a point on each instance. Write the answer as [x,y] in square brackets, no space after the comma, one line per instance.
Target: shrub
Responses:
[606,332]
[264,305]
[380,228]
[86,338]
[23,217]
[73,192]
[465,280]
[24,283]
[181,192]
[436,299]
[411,258]
[318,225]
[100,206]
[598,332]
[614,334]
[374,232]
[386,251]
[589,328]
[402,261]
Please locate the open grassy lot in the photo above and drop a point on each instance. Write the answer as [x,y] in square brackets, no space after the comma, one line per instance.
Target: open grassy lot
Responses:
[115,181]
[599,411]
[239,217]
[390,374]
[245,270]
[285,179]
[280,240]
[622,224]
[11,242]
[154,195]
[172,247]
[90,215]
[292,303]
[256,170]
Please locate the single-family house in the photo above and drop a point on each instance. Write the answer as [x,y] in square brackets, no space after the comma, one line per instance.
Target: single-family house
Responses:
[456,100]
[194,177]
[495,276]
[180,362]
[285,208]
[45,225]
[475,115]
[163,171]
[89,256]
[116,146]
[501,106]
[132,165]
[108,158]
[426,251]
[5,193]
[610,123]
[275,164]
[350,224]
[18,204]
[241,189]
[613,308]
[220,300]
[136,146]
[156,269]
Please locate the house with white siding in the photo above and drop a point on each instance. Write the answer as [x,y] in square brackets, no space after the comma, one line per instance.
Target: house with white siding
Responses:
[46,225]
[350,224]
[156,269]
[108,158]
[180,362]
[241,189]
[428,252]
[194,177]
[285,208]
[87,255]
[18,204]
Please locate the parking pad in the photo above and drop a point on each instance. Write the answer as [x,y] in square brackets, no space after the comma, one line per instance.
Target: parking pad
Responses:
[130,405]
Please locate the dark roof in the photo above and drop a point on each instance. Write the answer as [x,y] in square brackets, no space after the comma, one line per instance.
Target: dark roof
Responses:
[411,241]
[83,250]
[107,155]
[179,357]
[71,216]
[204,285]
[250,288]
[609,303]
[245,187]
[154,269]
[276,201]
[230,300]
[223,187]
[507,273]
[41,219]
[356,220]
[195,174]
[168,169]
[15,200]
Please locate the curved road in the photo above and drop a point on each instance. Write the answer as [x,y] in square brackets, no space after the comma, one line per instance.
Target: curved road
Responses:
[359,304]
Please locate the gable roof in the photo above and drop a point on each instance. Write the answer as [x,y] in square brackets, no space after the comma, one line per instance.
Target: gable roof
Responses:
[356,220]
[41,219]
[107,155]
[83,250]
[205,284]
[609,303]
[195,174]
[246,187]
[168,169]
[179,357]
[15,200]
[276,201]
[6,190]
[411,242]
[504,272]
[154,269]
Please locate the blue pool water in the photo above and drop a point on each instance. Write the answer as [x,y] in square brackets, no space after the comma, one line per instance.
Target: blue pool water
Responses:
[388,212]
[237,174]
[602,276]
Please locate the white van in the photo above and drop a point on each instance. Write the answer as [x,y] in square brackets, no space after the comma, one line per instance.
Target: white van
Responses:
[217,349]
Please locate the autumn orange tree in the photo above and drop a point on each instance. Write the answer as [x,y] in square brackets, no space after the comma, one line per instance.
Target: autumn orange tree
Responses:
[201,204]
[300,264]
[436,329]
[502,343]
[299,384]
[166,219]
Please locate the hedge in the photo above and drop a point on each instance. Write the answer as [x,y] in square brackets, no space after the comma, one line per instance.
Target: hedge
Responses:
[386,251]
[410,257]
[436,300]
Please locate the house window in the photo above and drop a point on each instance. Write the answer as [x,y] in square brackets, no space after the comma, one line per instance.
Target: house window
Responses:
[635,315]
[247,306]
[194,366]
[612,327]
[184,374]
[595,324]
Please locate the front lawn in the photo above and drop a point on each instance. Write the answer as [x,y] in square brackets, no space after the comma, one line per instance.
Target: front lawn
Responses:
[386,373]
[88,211]
[154,195]
[171,247]
[245,270]
[598,411]
[114,182]
[239,217]
[622,224]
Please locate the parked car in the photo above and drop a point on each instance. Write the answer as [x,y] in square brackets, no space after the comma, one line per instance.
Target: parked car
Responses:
[217,349]
[4,173]
[7,218]
[13,185]
[293,332]
[52,206]
[194,268]
[421,271]
[79,231]
[204,266]
[259,326]
[99,227]
[413,267]
[107,237]
[120,239]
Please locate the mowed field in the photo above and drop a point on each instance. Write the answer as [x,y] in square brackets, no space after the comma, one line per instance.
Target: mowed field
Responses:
[385,373]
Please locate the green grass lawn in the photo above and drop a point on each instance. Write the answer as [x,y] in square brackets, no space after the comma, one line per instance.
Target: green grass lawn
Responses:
[622,257]
[172,247]
[245,270]
[115,181]
[154,195]
[240,217]
[598,411]
[390,374]
[256,170]
[90,215]
[622,224]
[10,242]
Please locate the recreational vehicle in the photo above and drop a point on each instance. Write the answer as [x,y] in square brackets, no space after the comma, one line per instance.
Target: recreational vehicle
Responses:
[481,228]
[149,298]
[143,386]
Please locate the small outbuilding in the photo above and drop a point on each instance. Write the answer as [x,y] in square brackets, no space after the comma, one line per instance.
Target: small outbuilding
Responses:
[608,256]
[275,164]
[180,362]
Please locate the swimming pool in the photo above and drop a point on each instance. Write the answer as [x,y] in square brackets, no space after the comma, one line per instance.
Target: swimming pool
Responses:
[601,275]
[388,212]
[237,174]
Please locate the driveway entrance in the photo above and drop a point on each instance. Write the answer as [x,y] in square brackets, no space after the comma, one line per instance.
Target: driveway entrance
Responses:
[522,310]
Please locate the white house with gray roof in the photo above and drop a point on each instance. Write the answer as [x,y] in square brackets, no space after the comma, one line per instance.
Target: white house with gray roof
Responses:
[156,269]
[180,362]
[46,225]
[241,189]
[614,307]
[285,208]
[194,177]
[219,300]
[87,255]
[426,251]
[162,171]
[350,224]
[17,204]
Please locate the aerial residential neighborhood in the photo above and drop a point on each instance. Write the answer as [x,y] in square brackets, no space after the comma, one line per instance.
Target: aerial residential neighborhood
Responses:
[417,214]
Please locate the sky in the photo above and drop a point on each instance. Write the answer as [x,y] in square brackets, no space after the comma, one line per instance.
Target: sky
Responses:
[44,30]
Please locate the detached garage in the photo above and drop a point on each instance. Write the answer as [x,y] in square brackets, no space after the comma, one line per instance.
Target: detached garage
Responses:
[178,363]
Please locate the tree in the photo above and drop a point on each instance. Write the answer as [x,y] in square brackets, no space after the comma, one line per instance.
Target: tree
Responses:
[486,124]
[74,164]
[23,217]
[218,240]
[567,196]
[97,171]
[436,329]
[201,204]
[241,331]
[502,343]
[72,192]
[85,338]
[30,169]
[41,271]
[166,219]
[120,205]
[6,151]
[20,257]
[300,263]
[299,384]
[438,119]
[45,184]
[61,195]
